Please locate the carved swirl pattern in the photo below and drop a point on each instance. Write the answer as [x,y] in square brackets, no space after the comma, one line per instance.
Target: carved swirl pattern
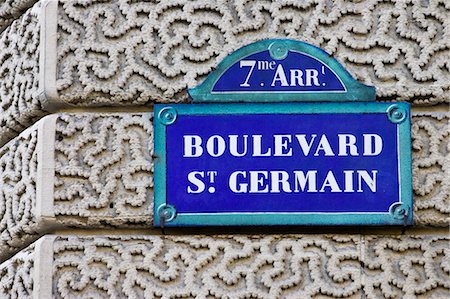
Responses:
[104,169]
[136,52]
[11,10]
[431,167]
[16,275]
[19,69]
[251,267]
[18,166]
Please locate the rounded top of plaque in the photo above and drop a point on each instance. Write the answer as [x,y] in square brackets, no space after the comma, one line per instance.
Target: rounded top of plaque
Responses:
[280,70]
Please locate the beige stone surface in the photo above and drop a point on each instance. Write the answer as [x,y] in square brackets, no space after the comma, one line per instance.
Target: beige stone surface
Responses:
[95,170]
[19,75]
[431,167]
[225,266]
[17,275]
[104,169]
[76,170]
[18,169]
[136,52]
[11,10]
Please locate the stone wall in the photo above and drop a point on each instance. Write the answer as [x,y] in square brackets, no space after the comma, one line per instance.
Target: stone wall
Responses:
[136,52]
[224,266]
[11,10]
[18,170]
[115,53]
[77,83]
[19,75]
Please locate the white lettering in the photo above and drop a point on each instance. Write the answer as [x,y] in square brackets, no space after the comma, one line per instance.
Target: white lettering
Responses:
[305,146]
[281,144]
[215,145]
[373,144]
[234,146]
[251,64]
[277,181]
[280,76]
[371,182]
[347,141]
[257,180]
[311,75]
[192,146]
[232,182]
[324,145]
[279,178]
[272,65]
[301,179]
[330,181]
[296,78]
[348,174]
[257,150]
[194,178]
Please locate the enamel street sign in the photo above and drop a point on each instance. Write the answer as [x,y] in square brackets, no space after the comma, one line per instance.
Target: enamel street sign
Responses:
[334,159]
[302,163]
[280,71]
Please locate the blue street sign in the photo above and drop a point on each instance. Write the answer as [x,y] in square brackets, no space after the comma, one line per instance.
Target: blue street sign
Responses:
[335,159]
[283,164]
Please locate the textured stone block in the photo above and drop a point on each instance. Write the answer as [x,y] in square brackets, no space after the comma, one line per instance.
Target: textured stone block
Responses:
[221,266]
[11,10]
[103,169]
[76,170]
[17,275]
[431,167]
[95,170]
[115,53]
[20,47]
[136,52]
[18,177]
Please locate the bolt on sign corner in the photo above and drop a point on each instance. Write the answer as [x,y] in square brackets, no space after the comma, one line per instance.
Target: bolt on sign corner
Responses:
[282,161]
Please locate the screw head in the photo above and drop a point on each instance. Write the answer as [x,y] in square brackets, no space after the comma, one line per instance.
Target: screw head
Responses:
[167,115]
[396,114]
[399,210]
[167,212]
[278,50]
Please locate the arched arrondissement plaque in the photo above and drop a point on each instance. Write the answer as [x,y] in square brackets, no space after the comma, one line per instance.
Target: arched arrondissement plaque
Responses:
[336,159]
[280,70]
